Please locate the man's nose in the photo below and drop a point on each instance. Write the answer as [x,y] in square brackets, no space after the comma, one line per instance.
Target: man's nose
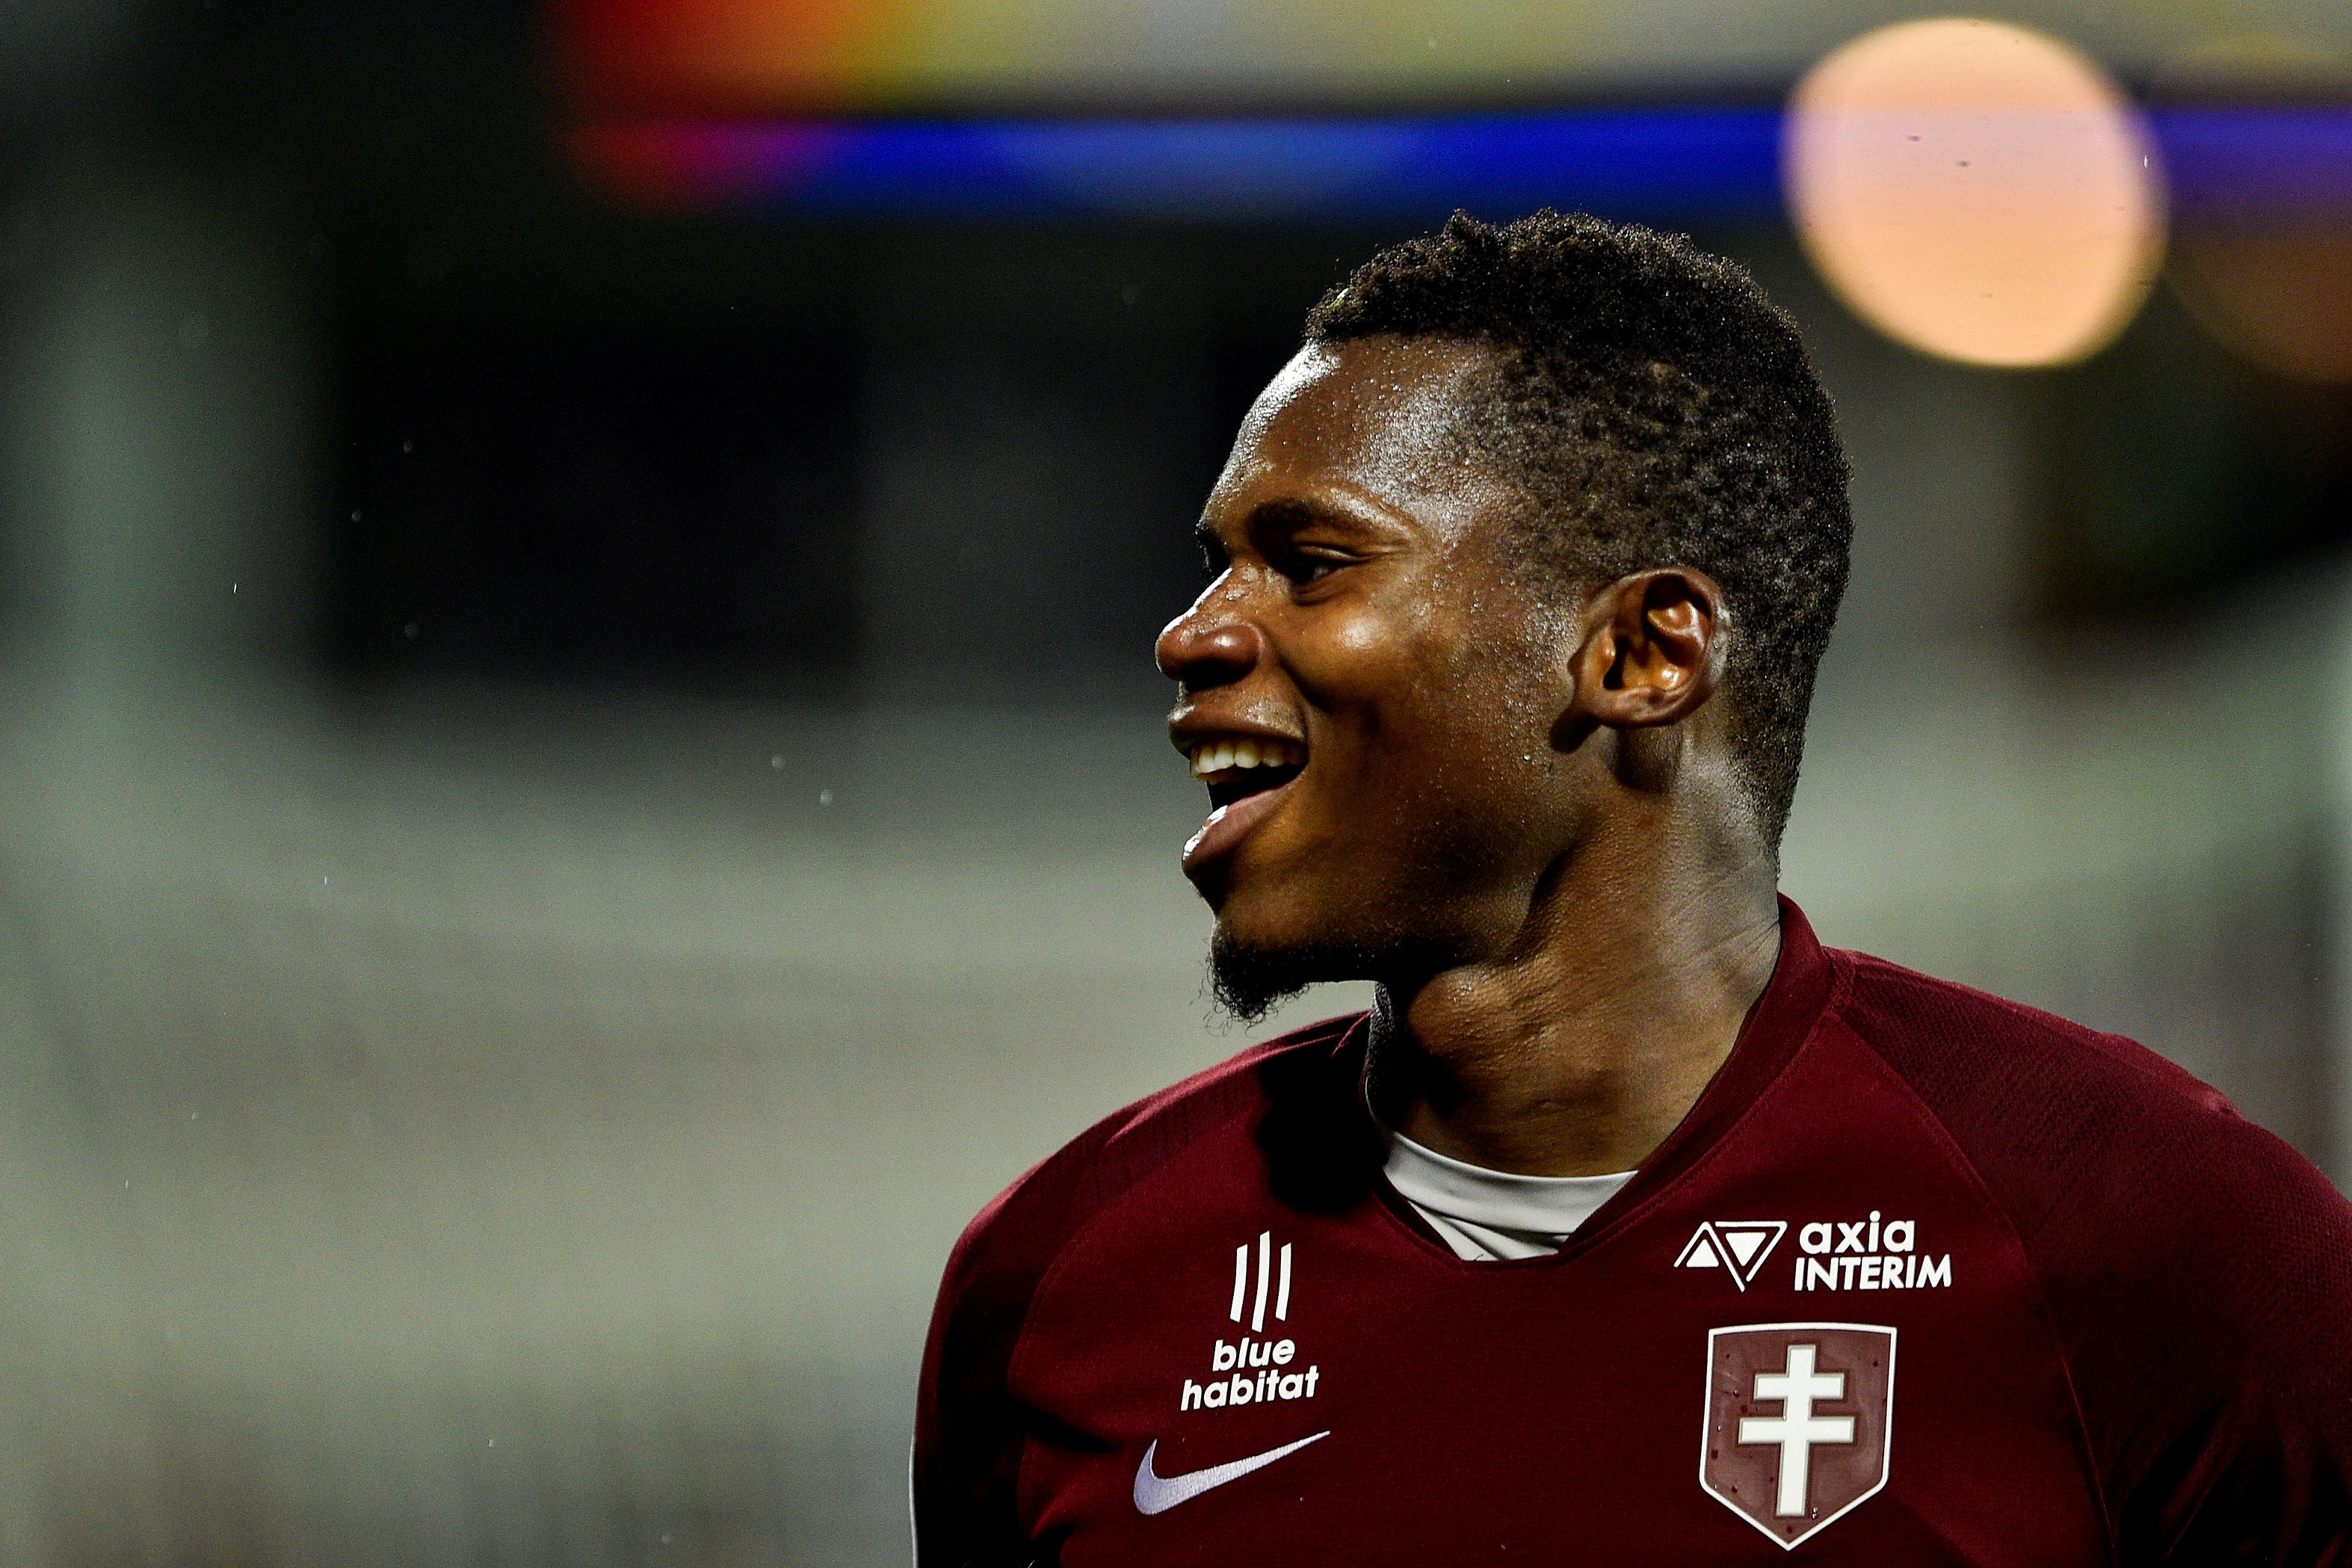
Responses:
[1208,646]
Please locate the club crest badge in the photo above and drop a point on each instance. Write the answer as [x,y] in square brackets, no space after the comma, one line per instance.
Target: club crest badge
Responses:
[1797,1422]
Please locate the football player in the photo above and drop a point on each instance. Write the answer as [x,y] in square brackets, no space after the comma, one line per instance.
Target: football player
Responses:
[1632,1224]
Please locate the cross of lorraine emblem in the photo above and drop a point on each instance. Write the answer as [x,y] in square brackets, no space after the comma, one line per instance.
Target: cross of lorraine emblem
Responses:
[1796,1417]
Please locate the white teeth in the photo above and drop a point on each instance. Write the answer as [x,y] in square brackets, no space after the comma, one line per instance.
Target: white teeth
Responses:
[1219,756]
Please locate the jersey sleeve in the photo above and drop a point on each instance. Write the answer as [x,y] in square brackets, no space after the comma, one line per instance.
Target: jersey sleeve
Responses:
[2267,1484]
[966,1453]
[969,1429]
[2223,1400]
[2197,1271]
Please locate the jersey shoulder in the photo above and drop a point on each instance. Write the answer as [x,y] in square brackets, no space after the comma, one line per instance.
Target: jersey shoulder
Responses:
[2197,1270]
[2077,1132]
[1030,1222]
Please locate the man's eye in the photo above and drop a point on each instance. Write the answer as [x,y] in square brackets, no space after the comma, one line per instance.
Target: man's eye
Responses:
[1312,564]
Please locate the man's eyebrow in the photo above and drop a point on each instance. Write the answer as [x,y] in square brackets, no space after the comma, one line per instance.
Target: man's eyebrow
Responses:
[1295,512]
[1282,512]
[1288,513]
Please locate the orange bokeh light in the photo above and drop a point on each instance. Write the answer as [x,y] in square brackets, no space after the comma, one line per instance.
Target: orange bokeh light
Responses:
[1976,190]
[2280,296]
[2271,283]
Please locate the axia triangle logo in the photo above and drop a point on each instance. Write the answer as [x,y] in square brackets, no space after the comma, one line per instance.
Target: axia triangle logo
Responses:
[1738,1247]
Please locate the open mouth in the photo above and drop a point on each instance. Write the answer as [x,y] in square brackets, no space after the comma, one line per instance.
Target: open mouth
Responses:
[1237,767]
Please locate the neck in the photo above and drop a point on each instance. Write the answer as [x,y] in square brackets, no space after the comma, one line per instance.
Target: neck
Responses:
[1577,1052]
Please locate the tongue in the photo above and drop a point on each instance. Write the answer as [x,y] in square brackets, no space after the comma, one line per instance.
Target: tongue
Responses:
[1226,827]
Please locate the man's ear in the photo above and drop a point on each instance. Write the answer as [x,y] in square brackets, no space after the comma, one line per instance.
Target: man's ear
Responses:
[1653,651]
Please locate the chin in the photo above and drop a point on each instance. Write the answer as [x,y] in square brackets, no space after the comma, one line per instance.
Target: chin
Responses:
[1266,950]
[1250,979]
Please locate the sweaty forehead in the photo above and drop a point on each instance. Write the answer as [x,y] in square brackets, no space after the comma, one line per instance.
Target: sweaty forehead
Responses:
[1381,415]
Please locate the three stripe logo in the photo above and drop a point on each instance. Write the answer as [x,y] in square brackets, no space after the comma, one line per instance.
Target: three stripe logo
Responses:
[1265,1271]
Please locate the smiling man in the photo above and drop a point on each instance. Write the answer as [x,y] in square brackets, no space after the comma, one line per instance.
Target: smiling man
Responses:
[1605,1236]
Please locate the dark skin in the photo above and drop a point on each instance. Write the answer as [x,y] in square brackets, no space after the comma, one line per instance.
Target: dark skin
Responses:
[1517,811]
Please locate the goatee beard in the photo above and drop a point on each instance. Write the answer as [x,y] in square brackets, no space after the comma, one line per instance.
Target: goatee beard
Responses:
[1251,981]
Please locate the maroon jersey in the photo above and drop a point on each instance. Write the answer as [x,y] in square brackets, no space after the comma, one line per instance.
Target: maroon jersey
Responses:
[1923,1277]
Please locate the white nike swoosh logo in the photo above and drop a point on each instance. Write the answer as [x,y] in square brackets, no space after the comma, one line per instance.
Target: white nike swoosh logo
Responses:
[1158,1494]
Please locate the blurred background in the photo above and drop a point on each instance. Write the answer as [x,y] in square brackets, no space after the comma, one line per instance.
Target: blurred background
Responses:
[551,853]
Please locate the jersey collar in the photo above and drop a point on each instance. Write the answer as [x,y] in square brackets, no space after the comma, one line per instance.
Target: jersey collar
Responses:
[1804,982]
[1801,991]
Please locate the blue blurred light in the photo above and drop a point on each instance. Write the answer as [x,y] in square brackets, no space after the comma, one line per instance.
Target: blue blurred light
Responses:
[1677,165]
[2255,163]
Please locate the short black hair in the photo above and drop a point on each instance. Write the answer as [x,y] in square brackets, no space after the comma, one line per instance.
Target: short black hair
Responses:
[1661,412]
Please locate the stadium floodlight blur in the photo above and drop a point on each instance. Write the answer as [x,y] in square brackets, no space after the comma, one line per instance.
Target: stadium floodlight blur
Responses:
[1978,191]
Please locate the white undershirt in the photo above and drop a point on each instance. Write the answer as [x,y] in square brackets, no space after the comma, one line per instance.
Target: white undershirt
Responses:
[1488,1216]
